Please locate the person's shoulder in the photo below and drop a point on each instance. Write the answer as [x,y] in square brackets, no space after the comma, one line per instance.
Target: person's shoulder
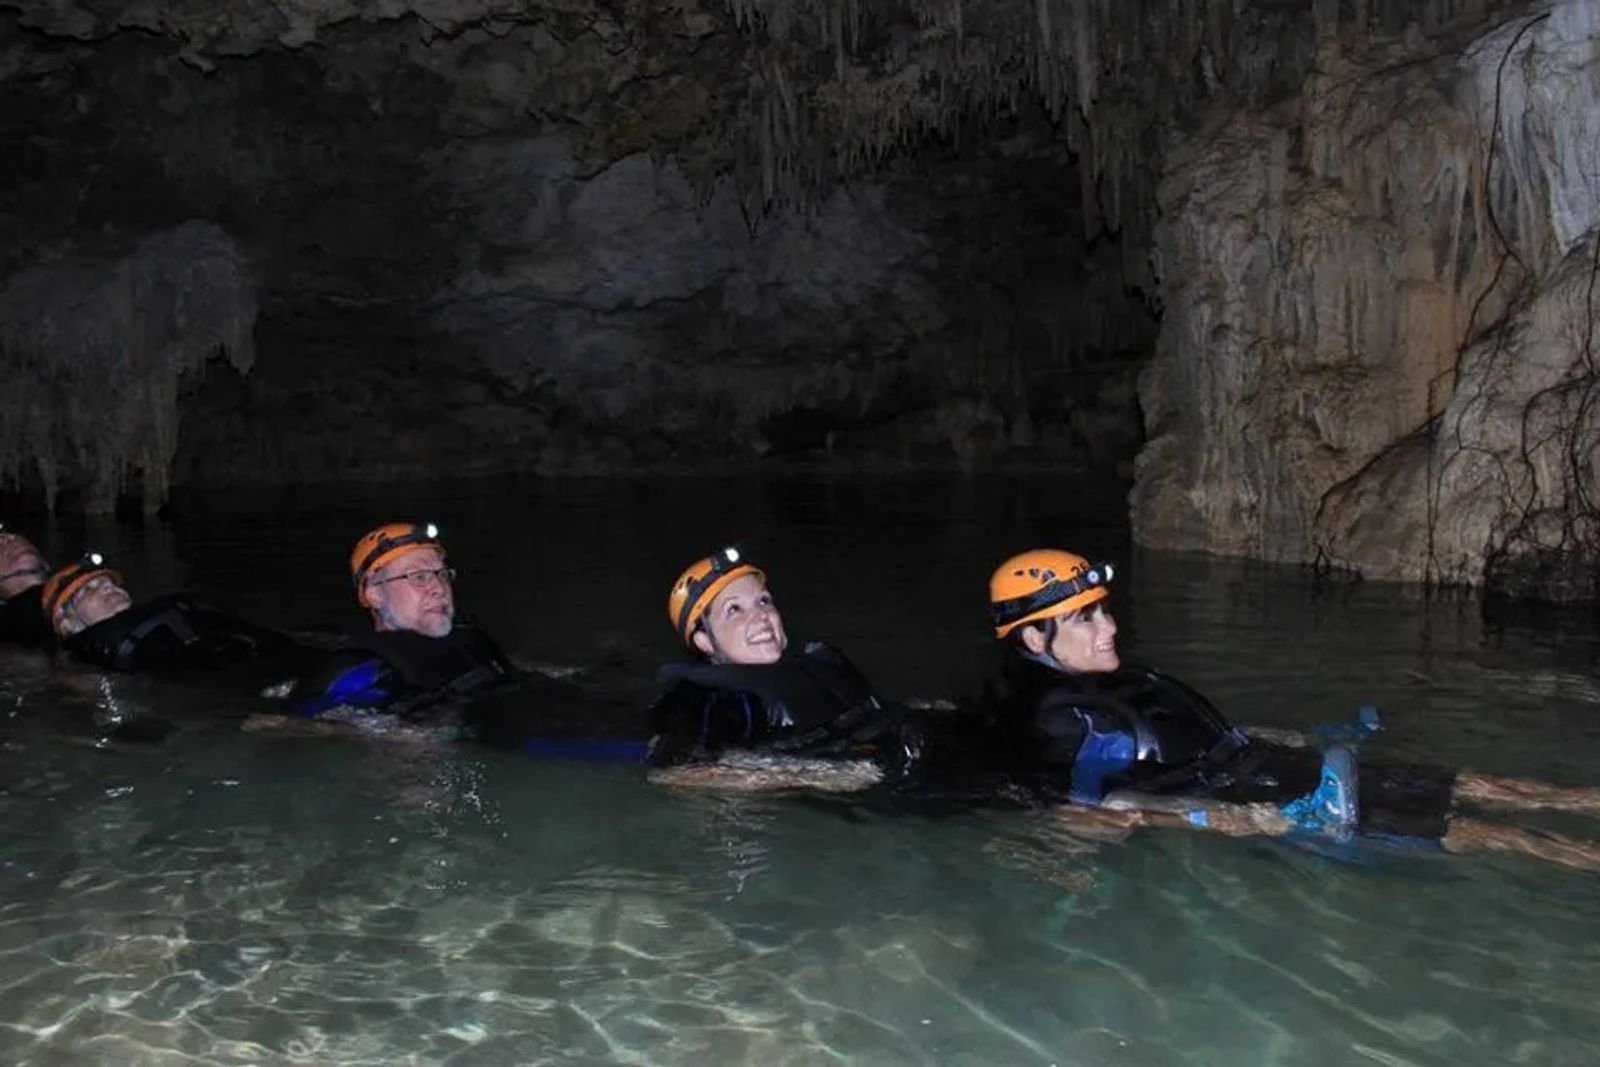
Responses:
[399,647]
[675,686]
[824,651]
[469,633]
[470,626]
[1141,670]
[342,676]
[22,619]
[827,655]
[1138,674]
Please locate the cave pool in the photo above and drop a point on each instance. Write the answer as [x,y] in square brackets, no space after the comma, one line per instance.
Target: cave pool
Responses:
[231,898]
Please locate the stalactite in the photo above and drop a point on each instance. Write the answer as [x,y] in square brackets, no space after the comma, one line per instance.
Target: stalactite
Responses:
[1377,289]
[1129,68]
[100,350]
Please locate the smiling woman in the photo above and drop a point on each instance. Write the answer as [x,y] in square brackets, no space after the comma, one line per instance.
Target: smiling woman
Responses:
[722,607]
[749,694]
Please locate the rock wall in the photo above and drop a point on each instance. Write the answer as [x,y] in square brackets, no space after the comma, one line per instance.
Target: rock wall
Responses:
[488,246]
[96,350]
[498,235]
[1378,350]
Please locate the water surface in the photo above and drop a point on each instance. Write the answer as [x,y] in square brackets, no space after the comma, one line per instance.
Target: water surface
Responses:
[228,898]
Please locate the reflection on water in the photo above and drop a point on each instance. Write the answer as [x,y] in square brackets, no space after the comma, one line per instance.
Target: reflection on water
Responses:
[227,898]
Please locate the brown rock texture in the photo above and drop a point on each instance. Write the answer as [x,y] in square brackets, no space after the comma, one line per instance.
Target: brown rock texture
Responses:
[97,348]
[487,235]
[1378,351]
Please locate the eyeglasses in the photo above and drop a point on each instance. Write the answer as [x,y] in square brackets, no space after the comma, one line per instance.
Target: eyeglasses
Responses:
[419,579]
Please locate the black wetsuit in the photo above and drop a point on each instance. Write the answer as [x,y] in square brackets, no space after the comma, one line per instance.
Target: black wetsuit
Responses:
[22,619]
[811,703]
[1082,736]
[399,670]
[172,633]
[462,680]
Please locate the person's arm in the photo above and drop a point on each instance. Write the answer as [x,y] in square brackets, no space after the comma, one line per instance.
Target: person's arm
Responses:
[692,724]
[351,696]
[225,638]
[352,681]
[747,772]
[1277,736]
[1050,736]
[693,737]
[1258,819]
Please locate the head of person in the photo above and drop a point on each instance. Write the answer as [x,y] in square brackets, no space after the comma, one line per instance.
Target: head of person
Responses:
[400,577]
[721,608]
[1054,605]
[83,593]
[22,566]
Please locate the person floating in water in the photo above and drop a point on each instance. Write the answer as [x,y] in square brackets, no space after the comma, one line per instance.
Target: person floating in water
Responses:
[1091,731]
[423,664]
[418,650]
[751,713]
[93,617]
[22,574]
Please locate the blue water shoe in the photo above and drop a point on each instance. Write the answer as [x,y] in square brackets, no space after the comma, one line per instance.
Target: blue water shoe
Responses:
[1333,807]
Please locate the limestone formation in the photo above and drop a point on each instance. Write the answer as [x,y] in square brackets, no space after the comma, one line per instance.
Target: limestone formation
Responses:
[1378,351]
[97,350]
[491,235]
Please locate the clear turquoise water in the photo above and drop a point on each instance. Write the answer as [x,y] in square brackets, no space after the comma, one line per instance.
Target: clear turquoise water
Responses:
[225,898]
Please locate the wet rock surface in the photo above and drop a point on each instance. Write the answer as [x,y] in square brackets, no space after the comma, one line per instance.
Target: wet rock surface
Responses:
[475,254]
[1378,352]
[487,236]
[97,347]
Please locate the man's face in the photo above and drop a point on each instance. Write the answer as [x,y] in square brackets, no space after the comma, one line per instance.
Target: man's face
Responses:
[96,602]
[742,625]
[412,592]
[21,566]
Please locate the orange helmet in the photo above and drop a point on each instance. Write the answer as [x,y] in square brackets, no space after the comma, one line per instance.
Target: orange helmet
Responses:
[389,541]
[1043,582]
[699,584]
[64,584]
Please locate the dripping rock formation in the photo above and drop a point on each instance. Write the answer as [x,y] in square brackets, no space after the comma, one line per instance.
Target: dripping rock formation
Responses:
[1318,276]
[1378,351]
[97,348]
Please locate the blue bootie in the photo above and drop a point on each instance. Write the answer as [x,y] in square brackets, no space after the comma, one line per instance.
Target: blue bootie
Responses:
[1333,807]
